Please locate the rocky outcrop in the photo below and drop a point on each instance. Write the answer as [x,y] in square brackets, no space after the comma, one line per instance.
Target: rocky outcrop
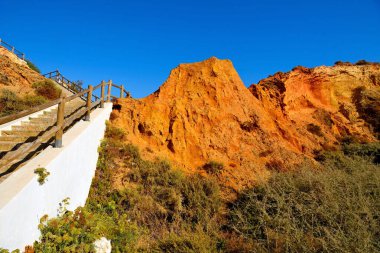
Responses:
[15,75]
[203,112]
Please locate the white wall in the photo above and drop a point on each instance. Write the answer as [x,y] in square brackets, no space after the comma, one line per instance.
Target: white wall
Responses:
[23,201]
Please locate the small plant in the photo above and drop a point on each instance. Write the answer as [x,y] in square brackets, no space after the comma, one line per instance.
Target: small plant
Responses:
[32,66]
[7,251]
[362,62]
[42,175]
[314,129]
[62,209]
[276,165]
[214,168]
[48,89]
[114,132]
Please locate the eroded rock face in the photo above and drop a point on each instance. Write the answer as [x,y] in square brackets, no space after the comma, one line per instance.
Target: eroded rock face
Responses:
[15,75]
[204,112]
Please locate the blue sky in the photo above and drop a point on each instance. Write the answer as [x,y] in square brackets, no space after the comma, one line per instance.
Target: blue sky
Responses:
[137,43]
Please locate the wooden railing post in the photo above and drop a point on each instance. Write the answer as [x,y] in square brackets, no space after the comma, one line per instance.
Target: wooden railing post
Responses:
[60,120]
[102,95]
[109,91]
[121,91]
[89,97]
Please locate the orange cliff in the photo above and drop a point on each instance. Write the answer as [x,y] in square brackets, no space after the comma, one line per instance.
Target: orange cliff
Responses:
[204,112]
[15,75]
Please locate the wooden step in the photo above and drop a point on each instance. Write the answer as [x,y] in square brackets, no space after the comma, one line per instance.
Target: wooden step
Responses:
[7,145]
[43,120]
[35,123]
[25,133]
[41,127]
[14,138]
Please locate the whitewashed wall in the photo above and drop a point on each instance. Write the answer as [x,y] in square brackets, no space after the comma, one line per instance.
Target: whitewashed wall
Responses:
[23,201]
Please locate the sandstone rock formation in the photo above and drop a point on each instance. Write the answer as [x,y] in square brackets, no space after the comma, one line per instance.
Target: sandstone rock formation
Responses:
[203,112]
[15,75]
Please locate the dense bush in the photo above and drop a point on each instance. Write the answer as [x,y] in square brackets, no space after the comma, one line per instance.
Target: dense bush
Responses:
[144,206]
[213,167]
[32,66]
[76,231]
[48,89]
[314,129]
[333,210]
[173,212]
[10,103]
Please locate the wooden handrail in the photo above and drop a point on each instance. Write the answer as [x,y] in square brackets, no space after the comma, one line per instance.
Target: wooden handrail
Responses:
[117,86]
[15,156]
[79,94]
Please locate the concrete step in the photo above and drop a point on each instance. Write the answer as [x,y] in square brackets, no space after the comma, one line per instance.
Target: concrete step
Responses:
[7,145]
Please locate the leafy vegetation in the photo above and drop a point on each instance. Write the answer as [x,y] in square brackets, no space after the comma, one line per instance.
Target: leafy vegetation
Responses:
[10,103]
[332,210]
[314,129]
[32,66]
[213,167]
[156,208]
[48,89]
[42,175]
[144,206]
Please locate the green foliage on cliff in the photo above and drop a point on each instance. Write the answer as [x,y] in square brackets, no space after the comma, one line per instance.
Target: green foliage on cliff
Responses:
[144,206]
[332,210]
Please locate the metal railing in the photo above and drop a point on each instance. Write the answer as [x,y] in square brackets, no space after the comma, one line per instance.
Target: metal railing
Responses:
[12,49]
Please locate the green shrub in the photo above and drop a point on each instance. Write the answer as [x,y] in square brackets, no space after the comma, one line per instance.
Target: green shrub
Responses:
[333,210]
[42,175]
[362,62]
[314,129]
[10,103]
[187,243]
[213,167]
[159,208]
[156,208]
[31,101]
[32,66]
[114,132]
[48,89]
[76,231]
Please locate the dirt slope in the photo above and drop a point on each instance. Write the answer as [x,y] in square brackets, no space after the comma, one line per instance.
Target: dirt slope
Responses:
[15,75]
[204,112]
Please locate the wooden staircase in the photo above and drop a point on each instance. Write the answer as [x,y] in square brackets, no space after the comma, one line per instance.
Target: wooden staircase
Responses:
[29,130]
[29,137]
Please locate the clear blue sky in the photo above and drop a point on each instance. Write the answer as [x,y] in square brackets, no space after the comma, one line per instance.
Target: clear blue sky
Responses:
[138,42]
